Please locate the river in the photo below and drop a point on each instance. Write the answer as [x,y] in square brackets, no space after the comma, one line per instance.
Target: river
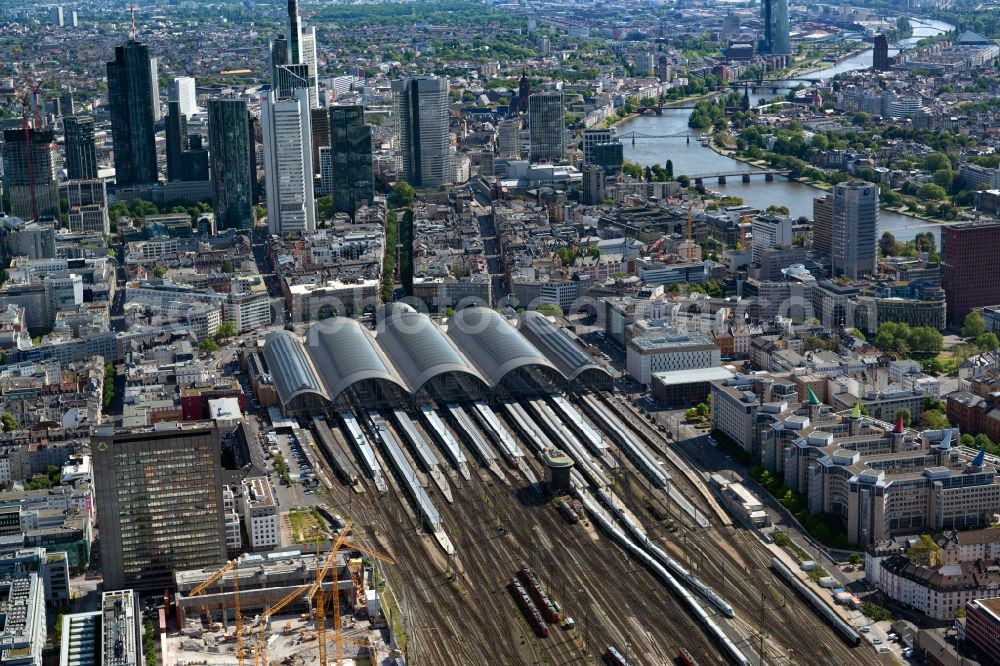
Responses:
[692,158]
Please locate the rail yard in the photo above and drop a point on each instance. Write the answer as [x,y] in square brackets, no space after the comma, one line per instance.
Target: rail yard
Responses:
[635,560]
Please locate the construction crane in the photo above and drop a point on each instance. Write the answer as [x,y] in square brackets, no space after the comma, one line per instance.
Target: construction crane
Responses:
[338,630]
[239,616]
[208,582]
[302,591]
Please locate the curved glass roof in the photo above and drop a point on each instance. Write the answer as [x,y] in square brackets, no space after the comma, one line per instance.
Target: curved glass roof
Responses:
[290,366]
[344,353]
[493,345]
[569,358]
[417,347]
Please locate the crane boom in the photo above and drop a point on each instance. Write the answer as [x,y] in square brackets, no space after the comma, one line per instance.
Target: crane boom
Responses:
[321,596]
[213,579]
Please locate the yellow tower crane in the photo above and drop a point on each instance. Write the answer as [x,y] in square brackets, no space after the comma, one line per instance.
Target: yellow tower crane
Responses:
[239,616]
[300,592]
[208,582]
[338,630]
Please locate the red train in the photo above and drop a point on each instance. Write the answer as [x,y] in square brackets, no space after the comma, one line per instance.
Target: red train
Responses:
[530,580]
[530,610]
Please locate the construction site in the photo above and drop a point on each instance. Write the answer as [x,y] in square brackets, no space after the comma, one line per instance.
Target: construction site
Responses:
[288,607]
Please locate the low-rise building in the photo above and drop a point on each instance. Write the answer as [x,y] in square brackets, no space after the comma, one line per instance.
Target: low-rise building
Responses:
[260,514]
[668,352]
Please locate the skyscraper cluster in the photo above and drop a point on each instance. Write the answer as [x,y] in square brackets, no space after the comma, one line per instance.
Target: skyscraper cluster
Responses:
[776,39]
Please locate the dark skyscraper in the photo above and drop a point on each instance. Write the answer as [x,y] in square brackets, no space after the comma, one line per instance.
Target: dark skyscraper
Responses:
[81,154]
[880,54]
[254,126]
[66,104]
[970,267]
[320,125]
[33,190]
[130,92]
[295,32]
[229,145]
[523,92]
[176,140]
[351,148]
[774,16]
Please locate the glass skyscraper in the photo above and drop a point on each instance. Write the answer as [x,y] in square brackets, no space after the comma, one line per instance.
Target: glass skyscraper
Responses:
[159,501]
[351,151]
[421,112]
[229,148]
[774,16]
[546,127]
[130,92]
[81,154]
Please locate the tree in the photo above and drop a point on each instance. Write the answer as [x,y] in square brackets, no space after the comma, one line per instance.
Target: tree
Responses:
[227,329]
[684,181]
[934,420]
[8,422]
[925,551]
[988,341]
[944,178]
[855,559]
[402,195]
[670,169]
[887,245]
[208,345]
[227,266]
[906,414]
[973,326]
[931,192]
[324,207]
[159,271]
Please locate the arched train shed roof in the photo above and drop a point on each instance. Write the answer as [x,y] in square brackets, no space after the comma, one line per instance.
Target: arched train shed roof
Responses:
[557,346]
[492,344]
[344,353]
[418,348]
[293,371]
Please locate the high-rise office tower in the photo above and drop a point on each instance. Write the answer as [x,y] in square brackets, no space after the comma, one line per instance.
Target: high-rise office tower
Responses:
[184,91]
[177,140]
[294,33]
[855,229]
[487,165]
[66,104]
[33,190]
[509,139]
[319,121]
[523,92]
[823,225]
[88,205]
[56,16]
[325,172]
[279,57]
[880,54]
[421,112]
[593,184]
[289,78]
[351,155]
[546,127]
[970,267]
[309,60]
[544,46]
[130,93]
[159,501]
[81,153]
[254,128]
[229,147]
[288,163]
[774,16]
[73,19]
[154,86]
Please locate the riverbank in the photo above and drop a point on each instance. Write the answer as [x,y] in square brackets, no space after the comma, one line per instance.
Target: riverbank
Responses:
[824,187]
[673,104]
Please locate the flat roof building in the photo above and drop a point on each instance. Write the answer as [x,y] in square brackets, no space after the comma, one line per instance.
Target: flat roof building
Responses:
[159,501]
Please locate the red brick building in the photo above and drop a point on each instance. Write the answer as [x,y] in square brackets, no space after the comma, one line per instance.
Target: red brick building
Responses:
[194,399]
[970,267]
[982,628]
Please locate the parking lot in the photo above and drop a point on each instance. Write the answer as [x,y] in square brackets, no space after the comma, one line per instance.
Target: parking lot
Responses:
[299,490]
